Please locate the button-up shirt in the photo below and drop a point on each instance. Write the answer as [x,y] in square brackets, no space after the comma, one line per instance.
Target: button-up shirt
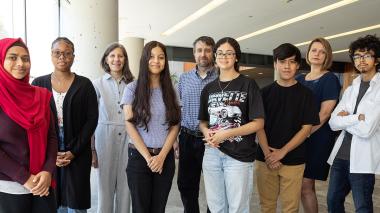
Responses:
[190,87]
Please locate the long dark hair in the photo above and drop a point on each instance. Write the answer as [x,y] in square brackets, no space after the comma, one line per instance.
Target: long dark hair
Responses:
[126,71]
[143,92]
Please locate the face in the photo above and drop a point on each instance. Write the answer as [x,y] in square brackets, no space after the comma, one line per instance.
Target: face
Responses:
[17,62]
[115,60]
[62,56]
[203,54]
[225,56]
[287,68]
[364,61]
[317,54]
[156,61]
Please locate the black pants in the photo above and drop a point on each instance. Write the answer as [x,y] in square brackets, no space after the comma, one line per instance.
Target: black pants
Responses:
[27,203]
[149,190]
[191,150]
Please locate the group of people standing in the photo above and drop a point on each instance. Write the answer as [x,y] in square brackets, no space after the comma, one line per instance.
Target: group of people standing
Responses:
[53,130]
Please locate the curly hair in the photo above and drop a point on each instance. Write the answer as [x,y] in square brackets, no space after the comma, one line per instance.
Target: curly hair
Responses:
[366,43]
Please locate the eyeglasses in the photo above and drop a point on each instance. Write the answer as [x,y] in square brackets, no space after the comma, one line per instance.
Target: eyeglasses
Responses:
[227,54]
[366,57]
[58,54]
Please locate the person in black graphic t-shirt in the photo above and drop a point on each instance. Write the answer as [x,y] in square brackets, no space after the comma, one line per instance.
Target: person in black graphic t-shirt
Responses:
[230,113]
[290,114]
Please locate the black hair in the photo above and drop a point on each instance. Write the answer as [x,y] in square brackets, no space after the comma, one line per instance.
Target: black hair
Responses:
[64,39]
[126,71]
[234,45]
[285,51]
[366,43]
[143,93]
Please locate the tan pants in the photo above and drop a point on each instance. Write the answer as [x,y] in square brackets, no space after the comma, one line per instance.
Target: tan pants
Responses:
[285,183]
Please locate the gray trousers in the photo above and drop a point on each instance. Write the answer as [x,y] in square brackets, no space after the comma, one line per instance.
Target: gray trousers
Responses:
[112,151]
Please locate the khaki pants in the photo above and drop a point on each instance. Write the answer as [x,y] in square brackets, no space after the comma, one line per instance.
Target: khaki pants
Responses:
[285,183]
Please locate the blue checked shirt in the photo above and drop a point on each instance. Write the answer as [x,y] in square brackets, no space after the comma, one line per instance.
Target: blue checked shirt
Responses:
[190,87]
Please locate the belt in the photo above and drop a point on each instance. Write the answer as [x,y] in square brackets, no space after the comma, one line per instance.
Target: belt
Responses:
[154,151]
[197,134]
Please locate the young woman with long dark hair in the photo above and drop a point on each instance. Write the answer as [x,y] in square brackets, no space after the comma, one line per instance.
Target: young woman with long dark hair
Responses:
[152,117]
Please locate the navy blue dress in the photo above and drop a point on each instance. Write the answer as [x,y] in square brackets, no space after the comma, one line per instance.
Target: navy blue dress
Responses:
[321,142]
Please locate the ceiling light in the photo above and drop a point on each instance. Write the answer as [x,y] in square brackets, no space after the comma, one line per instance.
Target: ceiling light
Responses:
[340,51]
[298,18]
[207,8]
[260,73]
[344,34]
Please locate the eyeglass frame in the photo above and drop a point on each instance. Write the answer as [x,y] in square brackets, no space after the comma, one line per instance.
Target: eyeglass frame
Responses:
[358,57]
[228,55]
[58,54]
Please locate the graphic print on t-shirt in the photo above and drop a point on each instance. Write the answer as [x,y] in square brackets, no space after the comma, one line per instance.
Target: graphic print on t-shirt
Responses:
[224,111]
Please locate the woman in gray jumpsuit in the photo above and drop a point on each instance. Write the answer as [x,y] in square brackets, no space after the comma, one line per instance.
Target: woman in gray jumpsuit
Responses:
[111,140]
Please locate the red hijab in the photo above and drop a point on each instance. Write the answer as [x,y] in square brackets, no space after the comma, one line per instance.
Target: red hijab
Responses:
[26,105]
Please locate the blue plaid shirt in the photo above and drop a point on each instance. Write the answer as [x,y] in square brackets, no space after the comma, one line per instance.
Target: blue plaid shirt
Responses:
[190,87]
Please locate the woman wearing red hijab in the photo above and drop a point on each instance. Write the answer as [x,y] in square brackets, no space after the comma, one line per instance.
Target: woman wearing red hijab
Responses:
[28,143]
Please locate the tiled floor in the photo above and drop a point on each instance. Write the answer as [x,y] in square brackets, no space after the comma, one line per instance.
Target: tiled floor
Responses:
[175,205]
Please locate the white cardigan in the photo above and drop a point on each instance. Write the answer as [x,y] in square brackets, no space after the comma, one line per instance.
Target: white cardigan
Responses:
[365,145]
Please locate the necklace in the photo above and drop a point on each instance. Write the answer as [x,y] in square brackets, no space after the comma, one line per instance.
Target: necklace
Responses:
[224,87]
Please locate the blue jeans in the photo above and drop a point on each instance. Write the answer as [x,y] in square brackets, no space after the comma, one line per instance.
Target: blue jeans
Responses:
[63,209]
[342,182]
[228,182]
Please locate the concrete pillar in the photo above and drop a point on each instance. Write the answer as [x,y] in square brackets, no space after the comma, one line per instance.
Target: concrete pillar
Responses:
[134,47]
[92,25]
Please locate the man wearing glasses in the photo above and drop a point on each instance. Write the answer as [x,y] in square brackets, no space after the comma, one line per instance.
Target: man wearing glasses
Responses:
[355,157]
[191,145]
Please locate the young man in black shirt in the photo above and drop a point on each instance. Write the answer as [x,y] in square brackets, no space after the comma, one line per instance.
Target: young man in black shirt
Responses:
[290,113]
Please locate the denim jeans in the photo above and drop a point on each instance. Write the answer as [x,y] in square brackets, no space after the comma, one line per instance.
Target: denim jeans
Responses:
[228,182]
[63,209]
[342,182]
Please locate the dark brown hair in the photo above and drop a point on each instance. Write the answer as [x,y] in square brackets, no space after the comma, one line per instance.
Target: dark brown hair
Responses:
[126,71]
[141,103]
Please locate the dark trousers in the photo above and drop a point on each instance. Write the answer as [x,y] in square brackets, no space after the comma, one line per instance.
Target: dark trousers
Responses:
[191,150]
[149,190]
[27,203]
[342,182]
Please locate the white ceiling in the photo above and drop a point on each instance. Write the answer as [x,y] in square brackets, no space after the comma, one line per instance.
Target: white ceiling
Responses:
[149,18]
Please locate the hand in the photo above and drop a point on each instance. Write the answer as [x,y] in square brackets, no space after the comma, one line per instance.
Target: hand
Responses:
[43,181]
[176,149]
[275,156]
[62,159]
[156,163]
[218,137]
[94,161]
[343,113]
[275,166]
[29,184]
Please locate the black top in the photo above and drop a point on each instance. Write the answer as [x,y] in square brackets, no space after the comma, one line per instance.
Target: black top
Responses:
[345,148]
[232,104]
[80,118]
[287,109]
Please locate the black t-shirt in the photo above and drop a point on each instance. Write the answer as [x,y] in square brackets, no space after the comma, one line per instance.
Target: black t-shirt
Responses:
[227,105]
[286,110]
